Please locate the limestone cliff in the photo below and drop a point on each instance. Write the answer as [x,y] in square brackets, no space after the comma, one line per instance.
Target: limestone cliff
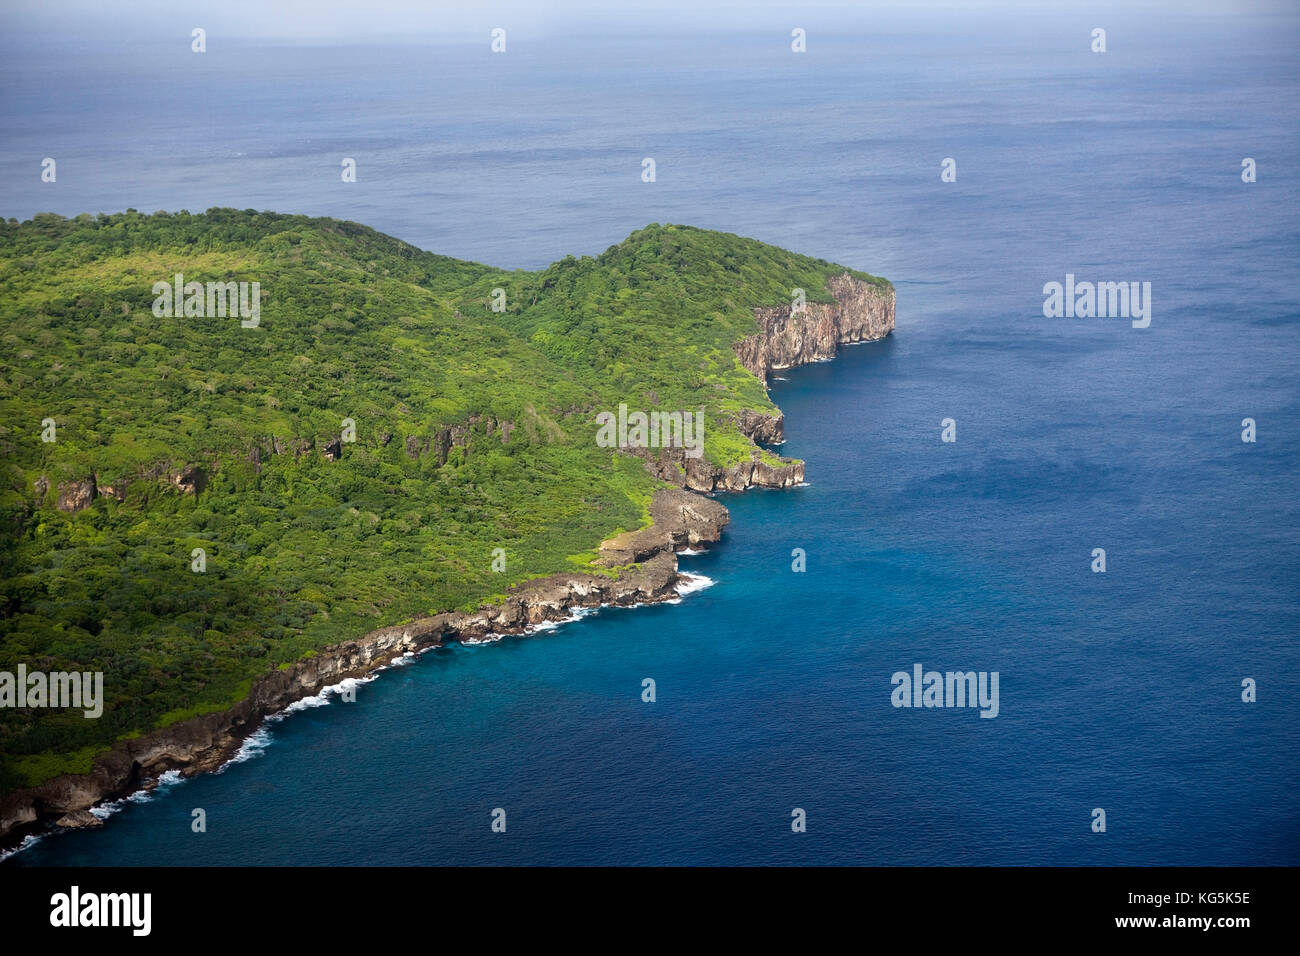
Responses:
[697,474]
[861,312]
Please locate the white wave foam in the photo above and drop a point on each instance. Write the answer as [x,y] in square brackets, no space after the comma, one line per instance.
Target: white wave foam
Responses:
[689,584]
[169,779]
[257,742]
[252,746]
[575,614]
[306,703]
[261,738]
[690,552]
[164,783]
[28,842]
[106,810]
[323,698]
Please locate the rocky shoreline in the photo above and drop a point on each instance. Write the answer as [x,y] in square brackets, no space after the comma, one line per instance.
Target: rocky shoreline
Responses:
[643,570]
[641,566]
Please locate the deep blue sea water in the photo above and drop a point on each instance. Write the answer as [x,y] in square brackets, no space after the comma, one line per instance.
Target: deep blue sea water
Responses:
[1119,690]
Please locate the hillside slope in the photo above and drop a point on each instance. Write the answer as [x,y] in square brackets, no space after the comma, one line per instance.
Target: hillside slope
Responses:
[474,430]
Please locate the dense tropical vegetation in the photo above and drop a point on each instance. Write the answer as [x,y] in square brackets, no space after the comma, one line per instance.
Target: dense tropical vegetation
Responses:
[474,430]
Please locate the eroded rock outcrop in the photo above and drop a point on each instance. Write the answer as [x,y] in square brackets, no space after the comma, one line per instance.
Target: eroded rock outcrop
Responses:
[698,474]
[78,820]
[862,312]
[76,495]
[189,480]
[444,439]
[117,490]
[762,428]
[679,520]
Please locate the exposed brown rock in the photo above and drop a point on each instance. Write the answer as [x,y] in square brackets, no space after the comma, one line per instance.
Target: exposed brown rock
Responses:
[698,474]
[679,520]
[77,820]
[762,428]
[862,312]
[444,439]
[189,480]
[117,490]
[76,495]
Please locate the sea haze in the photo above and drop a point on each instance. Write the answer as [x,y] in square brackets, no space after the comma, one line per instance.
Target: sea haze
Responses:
[1119,691]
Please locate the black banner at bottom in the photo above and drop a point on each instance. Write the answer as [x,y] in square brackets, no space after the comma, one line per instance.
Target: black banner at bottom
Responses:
[136,906]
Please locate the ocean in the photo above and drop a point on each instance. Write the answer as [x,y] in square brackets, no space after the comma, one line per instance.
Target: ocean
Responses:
[1119,691]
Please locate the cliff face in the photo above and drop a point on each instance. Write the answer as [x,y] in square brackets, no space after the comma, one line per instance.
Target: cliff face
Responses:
[696,474]
[761,428]
[861,312]
[680,520]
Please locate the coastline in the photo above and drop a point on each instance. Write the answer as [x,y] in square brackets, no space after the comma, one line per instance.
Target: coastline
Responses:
[642,570]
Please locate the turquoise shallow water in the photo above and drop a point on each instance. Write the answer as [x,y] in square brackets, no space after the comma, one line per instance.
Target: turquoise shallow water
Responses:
[1119,691]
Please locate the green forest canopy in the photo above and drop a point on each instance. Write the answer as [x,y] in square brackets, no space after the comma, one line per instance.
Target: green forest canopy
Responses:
[303,552]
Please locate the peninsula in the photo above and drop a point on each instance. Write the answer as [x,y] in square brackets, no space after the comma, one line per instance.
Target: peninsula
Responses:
[329,448]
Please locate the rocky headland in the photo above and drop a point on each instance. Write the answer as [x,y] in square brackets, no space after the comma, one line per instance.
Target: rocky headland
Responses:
[636,567]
